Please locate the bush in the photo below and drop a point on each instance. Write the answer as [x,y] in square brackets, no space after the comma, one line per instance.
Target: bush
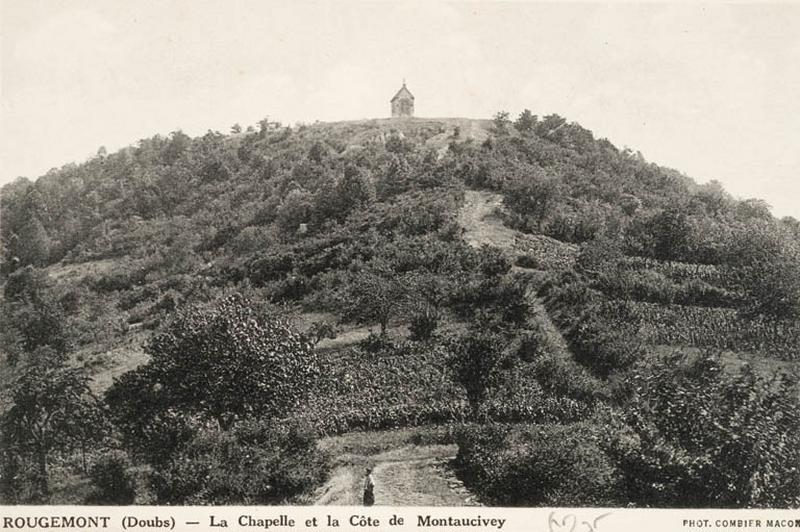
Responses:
[693,435]
[533,344]
[112,482]
[254,463]
[376,343]
[528,260]
[477,362]
[493,261]
[423,325]
[538,465]
[603,350]
[242,344]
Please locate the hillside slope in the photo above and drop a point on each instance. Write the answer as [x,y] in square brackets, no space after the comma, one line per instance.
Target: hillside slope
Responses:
[511,278]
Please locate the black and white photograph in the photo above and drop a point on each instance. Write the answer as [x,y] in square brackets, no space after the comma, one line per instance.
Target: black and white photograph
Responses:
[387,254]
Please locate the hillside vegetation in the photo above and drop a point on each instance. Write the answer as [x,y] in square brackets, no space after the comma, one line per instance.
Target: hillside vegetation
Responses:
[590,328]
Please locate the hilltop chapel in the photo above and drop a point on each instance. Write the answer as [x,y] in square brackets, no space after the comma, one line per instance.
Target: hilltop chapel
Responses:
[403,103]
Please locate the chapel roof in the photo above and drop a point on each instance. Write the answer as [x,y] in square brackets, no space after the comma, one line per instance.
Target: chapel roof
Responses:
[403,93]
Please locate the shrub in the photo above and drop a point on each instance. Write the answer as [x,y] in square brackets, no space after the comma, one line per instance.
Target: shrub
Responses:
[423,324]
[601,349]
[502,297]
[476,363]
[112,482]
[538,465]
[253,463]
[493,261]
[528,260]
[693,435]
[533,344]
[376,343]
[320,330]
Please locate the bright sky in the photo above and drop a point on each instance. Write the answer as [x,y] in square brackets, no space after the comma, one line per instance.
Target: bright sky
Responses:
[712,90]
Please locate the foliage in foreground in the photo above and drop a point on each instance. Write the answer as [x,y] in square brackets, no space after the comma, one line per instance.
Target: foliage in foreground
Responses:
[52,411]
[112,481]
[252,463]
[691,435]
[697,437]
[232,362]
[538,465]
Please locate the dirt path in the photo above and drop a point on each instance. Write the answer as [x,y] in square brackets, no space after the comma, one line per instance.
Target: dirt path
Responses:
[404,474]
[481,224]
[420,481]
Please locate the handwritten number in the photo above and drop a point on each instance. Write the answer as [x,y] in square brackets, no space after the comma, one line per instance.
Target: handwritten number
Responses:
[570,521]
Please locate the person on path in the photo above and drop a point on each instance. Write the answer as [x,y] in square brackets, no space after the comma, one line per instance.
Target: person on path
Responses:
[369,488]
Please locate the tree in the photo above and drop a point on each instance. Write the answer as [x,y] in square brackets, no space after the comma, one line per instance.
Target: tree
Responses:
[234,361]
[26,284]
[22,212]
[753,209]
[535,196]
[375,295]
[354,189]
[295,209]
[317,152]
[755,242]
[526,123]
[767,257]
[52,409]
[32,313]
[476,362]
[714,197]
[550,124]
[179,143]
[31,243]
[501,123]
[264,125]
[669,235]
[792,224]
[773,286]
[396,177]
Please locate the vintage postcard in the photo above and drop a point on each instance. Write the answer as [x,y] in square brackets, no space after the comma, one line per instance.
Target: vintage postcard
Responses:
[391,265]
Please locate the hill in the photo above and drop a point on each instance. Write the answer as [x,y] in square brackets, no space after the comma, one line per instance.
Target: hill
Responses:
[508,280]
